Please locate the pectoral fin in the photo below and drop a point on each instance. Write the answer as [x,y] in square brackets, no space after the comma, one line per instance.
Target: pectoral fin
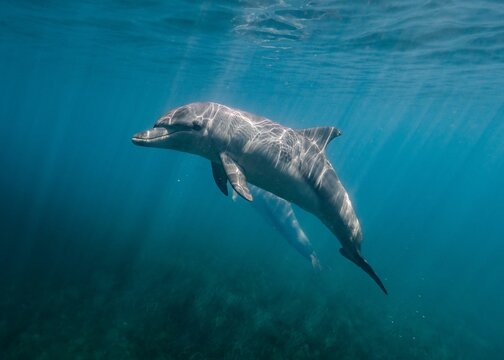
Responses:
[220,177]
[235,176]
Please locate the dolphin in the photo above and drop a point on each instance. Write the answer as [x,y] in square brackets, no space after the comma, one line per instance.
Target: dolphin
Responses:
[246,148]
[280,214]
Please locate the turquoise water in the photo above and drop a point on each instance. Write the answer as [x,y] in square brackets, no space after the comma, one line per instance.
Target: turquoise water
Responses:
[112,251]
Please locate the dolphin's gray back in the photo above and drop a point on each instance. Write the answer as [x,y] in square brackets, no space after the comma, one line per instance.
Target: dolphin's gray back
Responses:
[338,213]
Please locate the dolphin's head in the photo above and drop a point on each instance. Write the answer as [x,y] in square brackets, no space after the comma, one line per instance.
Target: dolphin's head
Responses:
[183,128]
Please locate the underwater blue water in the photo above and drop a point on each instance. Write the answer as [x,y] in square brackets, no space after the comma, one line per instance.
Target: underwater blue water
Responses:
[109,250]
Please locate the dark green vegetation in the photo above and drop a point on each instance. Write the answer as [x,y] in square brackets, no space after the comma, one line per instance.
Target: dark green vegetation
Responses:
[197,296]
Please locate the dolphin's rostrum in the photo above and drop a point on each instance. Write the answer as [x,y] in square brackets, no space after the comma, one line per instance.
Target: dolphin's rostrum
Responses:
[289,163]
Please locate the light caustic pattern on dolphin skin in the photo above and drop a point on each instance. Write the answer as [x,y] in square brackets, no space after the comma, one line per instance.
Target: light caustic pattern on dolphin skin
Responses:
[289,148]
[283,144]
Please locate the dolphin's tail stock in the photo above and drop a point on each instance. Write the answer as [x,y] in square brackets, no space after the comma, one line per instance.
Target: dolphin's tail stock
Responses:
[357,259]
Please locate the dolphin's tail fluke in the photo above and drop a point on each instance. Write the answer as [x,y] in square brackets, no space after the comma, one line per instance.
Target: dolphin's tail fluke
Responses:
[357,259]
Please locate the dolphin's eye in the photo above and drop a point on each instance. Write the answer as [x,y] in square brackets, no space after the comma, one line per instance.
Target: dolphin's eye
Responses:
[196,125]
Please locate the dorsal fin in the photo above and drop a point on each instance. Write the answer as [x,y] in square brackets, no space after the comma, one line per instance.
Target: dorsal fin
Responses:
[320,135]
